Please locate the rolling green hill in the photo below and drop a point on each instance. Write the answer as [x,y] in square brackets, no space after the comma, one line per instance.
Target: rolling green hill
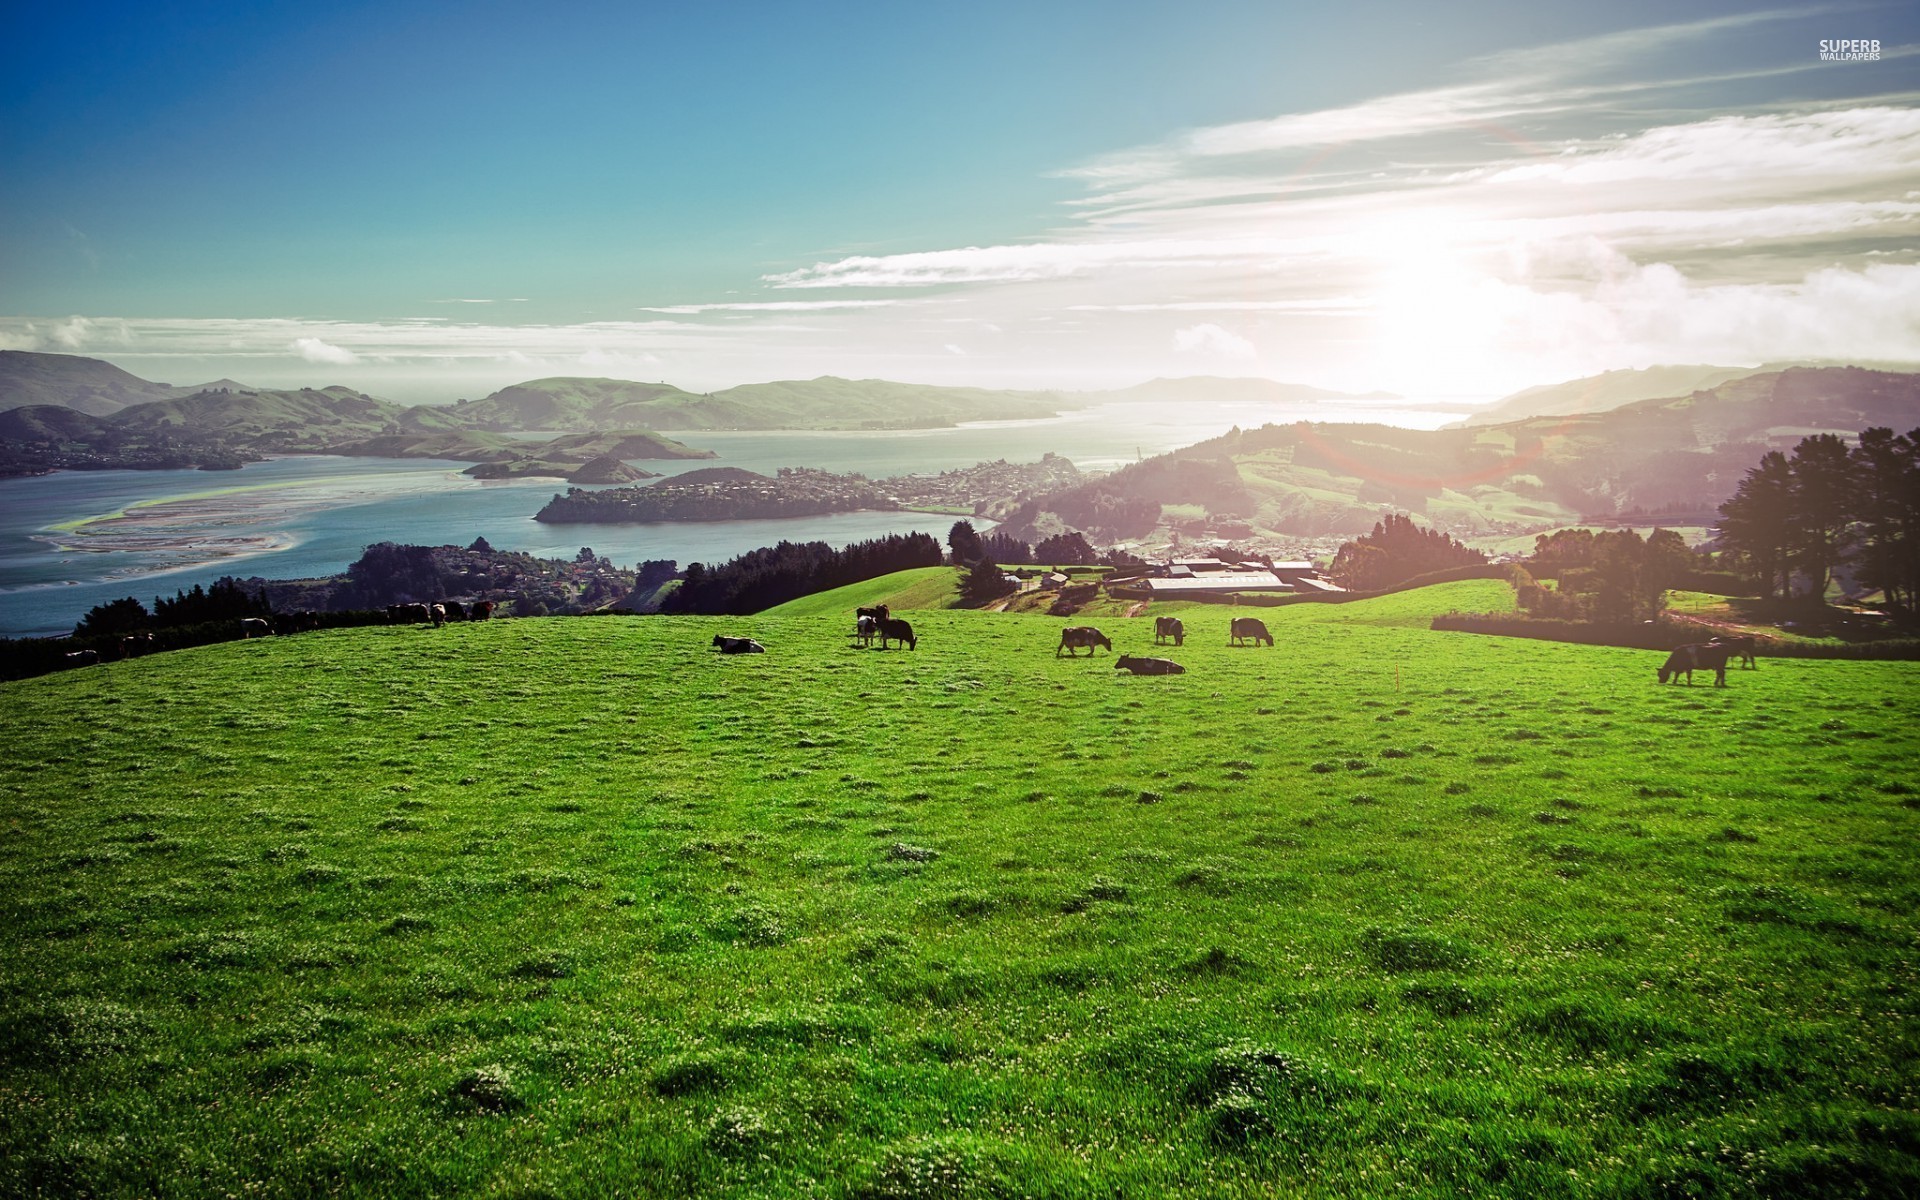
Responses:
[580,907]
[902,591]
[85,385]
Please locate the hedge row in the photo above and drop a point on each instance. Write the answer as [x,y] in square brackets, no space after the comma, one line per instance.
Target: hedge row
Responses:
[1661,635]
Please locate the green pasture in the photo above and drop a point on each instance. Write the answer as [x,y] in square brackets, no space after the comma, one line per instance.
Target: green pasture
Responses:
[577,907]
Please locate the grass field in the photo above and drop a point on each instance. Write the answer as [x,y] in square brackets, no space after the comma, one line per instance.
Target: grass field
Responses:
[576,907]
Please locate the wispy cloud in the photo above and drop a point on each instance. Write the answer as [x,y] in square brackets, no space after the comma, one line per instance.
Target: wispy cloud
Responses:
[758,306]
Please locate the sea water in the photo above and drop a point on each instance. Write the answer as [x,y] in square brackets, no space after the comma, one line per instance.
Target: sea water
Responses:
[74,539]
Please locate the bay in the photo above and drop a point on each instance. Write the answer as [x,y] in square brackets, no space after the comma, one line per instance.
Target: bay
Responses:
[74,539]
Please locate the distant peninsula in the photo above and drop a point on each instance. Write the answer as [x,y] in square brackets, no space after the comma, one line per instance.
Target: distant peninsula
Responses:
[733,494]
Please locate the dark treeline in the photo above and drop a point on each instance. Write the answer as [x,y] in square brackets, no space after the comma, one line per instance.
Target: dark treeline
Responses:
[771,575]
[1397,550]
[1796,519]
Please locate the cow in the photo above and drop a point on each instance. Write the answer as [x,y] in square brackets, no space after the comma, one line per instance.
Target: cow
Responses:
[251,627]
[737,645]
[1246,629]
[408,614]
[1075,636]
[479,610]
[437,613]
[455,610]
[897,630]
[1701,656]
[136,644]
[1738,646]
[1169,629]
[879,612]
[81,658]
[1148,666]
[866,629]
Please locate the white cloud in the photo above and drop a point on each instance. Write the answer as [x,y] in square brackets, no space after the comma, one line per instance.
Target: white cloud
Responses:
[316,351]
[1213,341]
[771,306]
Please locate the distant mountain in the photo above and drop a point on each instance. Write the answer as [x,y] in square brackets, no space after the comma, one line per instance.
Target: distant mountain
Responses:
[308,418]
[1675,459]
[84,384]
[824,403]
[1604,392]
[1234,391]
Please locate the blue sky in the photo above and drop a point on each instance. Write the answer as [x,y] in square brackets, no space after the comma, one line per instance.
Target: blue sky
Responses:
[430,200]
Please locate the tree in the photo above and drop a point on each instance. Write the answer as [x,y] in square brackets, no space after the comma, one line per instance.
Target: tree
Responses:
[1888,469]
[113,619]
[1066,549]
[1397,550]
[964,542]
[1757,523]
[984,581]
[1824,502]
[480,545]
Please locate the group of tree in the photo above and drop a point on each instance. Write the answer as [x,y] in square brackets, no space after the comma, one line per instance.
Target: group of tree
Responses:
[1396,551]
[1612,576]
[1795,519]
[966,546]
[226,600]
[773,575]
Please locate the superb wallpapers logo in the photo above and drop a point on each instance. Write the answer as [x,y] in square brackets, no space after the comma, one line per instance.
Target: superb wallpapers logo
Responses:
[1850,51]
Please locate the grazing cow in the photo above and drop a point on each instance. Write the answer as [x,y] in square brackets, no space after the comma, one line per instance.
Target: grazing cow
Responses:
[136,644]
[866,629]
[1169,629]
[1075,636]
[81,658]
[879,612]
[1247,629]
[1701,656]
[438,614]
[1148,666]
[737,645]
[899,631]
[1738,646]
[455,612]
[479,610]
[251,627]
[408,614]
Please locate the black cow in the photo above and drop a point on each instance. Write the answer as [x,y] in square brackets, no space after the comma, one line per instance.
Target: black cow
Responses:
[254,627]
[1245,629]
[480,610]
[1169,629]
[1075,636]
[1739,646]
[737,645]
[1701,656]
[898,631]
[408,614]
[1148,666]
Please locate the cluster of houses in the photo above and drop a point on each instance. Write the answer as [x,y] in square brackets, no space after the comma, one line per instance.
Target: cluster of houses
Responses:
[1197,578]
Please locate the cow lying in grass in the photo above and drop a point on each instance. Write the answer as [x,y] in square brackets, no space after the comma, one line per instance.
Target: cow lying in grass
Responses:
[1701,656]
[737,645]
[1148,666]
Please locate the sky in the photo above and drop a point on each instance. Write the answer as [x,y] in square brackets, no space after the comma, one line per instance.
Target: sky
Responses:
[428,201]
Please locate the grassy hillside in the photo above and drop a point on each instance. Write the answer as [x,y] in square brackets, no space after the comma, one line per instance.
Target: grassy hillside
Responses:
[85,385]
[922,587]
[577,907]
